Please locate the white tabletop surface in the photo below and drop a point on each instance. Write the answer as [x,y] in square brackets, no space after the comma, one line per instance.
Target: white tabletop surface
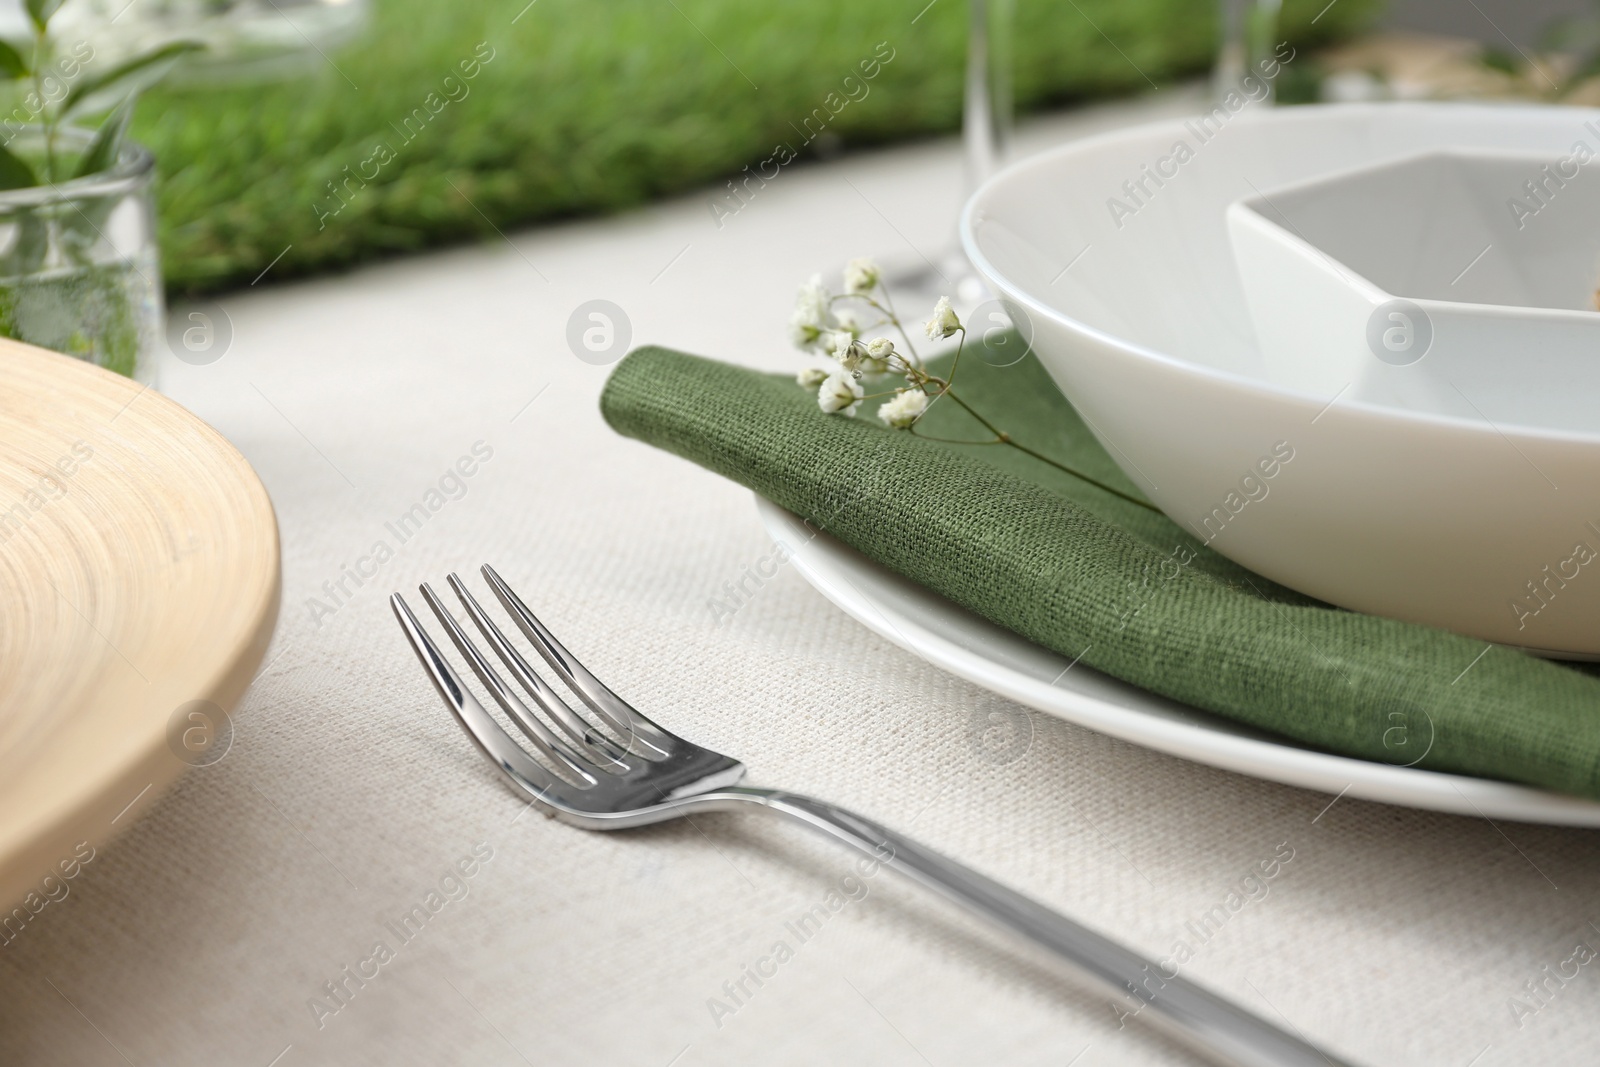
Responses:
[209,932]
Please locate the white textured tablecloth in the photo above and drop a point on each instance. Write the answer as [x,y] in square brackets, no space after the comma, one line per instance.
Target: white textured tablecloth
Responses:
[210,932]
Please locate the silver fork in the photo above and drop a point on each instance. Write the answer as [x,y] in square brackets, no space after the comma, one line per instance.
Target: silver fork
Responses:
[634,773]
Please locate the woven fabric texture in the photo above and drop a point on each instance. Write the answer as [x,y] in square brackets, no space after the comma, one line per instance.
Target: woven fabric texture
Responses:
[1080,571]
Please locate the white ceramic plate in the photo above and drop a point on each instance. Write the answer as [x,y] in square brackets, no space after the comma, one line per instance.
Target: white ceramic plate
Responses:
[955,640]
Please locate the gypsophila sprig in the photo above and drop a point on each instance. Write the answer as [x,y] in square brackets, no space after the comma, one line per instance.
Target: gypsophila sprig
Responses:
[813,319]
[818,324]
[906,408]
[839,394]
[836,343]
[944,322]
[860,276]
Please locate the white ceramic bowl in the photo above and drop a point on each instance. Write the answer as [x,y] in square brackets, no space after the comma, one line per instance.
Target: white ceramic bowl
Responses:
[1414,280]
[1481,515]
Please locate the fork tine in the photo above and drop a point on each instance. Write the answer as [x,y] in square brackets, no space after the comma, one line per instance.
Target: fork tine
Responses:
[543,739]
[616,712]
[523,772]
[590,742]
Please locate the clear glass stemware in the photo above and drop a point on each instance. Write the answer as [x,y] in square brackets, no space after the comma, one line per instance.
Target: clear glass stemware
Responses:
[986,120]
[1247,34]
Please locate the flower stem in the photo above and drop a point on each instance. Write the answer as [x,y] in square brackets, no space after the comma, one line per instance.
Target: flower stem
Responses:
[952,440]
[40,44]
[943,386]
[1097,483]
[1003,438]
[887,307]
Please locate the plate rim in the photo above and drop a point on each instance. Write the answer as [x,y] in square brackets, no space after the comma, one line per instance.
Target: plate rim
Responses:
[827,563]
[126,780]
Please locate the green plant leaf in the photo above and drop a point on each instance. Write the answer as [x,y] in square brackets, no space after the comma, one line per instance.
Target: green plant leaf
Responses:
[39,11]
[83,226]
[152,65]
[1498,59]
[1586,70]
[102,153]
[28,250]
[14,173]
[12,65]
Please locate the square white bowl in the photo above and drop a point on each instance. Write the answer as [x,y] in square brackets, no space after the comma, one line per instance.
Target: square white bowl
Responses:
[1421,281]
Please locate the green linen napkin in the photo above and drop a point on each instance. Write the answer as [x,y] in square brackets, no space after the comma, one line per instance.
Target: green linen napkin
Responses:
[1080,571]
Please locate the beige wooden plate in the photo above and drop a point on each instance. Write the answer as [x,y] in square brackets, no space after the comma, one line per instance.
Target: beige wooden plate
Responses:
[138,588]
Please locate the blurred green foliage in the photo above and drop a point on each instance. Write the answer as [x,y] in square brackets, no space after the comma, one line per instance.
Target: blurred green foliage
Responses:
[594,105]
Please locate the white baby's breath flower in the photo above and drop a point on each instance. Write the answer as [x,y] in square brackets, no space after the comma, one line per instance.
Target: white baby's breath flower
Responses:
[881,356]
[802,333]
[944,321]
[839,394]
[837,343]
[848,321]
[852,355]
[861,276]
[861,358]
[904,409]
[813,315]
[811,377]
[814,297]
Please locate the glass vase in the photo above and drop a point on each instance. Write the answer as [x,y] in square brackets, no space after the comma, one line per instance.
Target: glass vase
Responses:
[79,268]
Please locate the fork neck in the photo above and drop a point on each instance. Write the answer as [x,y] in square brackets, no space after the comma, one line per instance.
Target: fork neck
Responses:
[1211,1026]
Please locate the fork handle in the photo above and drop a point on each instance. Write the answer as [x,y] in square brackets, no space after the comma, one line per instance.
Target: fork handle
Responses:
[1207,1024]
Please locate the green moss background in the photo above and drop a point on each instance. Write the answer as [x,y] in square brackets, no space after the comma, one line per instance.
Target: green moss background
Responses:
[594,105]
